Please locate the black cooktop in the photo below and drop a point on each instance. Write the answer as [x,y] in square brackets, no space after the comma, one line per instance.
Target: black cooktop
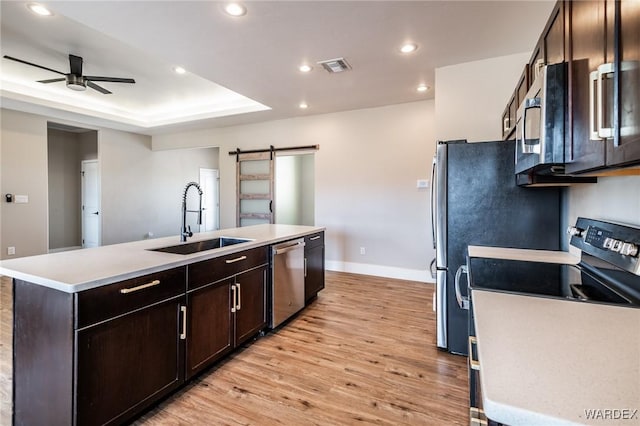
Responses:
[548,279]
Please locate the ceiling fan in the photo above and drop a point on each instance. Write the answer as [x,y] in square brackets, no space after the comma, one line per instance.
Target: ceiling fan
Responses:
[74,79]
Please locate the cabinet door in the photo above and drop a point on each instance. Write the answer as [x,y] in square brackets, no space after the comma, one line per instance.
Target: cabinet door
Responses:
[588,51]
[126,363]
[251,313]
[553,37]
[625,147]
[314,272]
[208,325]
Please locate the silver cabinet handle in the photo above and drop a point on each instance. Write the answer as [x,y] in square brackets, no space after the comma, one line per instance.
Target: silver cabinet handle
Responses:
[593,81]
[474,364]
[505,124]
[237,259]
[317,237]
[183,310]
[234,297]
[463,301]
[140,287]
[603,70]
[305,267]
[239,298]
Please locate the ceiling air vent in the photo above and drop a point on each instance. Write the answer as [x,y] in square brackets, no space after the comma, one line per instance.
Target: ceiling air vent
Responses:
[335,65]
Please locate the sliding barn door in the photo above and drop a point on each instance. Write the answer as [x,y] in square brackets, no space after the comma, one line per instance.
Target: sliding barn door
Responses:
[254,186]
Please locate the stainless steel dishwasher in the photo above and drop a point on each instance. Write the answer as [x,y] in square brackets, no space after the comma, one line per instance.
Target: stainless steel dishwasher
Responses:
[287,295]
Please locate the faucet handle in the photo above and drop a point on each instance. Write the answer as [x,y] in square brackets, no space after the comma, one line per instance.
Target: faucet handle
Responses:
[189,233]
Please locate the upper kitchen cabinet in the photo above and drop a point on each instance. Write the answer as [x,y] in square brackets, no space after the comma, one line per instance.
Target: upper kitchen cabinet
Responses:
[550,46]
[625,147]
[604,85]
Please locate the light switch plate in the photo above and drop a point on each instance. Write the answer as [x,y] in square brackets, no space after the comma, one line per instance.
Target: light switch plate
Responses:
[422,184]
[21,199]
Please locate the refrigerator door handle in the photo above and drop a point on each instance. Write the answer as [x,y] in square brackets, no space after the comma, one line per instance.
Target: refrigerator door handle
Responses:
[433,204]
[463,301]
[432,268]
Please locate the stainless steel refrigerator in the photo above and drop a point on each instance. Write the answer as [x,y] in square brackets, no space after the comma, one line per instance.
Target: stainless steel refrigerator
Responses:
[475,201]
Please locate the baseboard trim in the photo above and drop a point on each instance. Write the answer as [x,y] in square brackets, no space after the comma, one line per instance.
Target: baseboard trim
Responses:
[380,271]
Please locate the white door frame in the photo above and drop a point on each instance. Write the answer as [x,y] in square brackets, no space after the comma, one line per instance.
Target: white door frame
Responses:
[98,209]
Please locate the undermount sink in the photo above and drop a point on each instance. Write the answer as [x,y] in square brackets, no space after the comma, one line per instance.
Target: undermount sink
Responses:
[197,246]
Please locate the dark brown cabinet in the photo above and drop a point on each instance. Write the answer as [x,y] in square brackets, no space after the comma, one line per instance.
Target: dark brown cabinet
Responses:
[314,265]
[224,313]
[251,304]
[126,363]
[588,47]
[104,355]
[128,346]
[550,48]
[208,326]
[625,147]
[604,87]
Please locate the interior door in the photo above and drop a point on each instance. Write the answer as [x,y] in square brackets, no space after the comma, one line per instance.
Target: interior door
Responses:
[90,204]
[209,182]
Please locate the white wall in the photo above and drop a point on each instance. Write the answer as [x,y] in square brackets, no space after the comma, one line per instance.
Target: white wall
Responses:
[365,181]
[614,199]
[141,189]
[24,172]
[471,97]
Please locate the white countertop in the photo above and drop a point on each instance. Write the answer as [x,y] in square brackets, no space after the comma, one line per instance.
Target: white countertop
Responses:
[78,270]
[545,361]
[547,256]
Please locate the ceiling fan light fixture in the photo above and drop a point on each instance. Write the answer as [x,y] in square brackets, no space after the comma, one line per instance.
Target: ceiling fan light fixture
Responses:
[76,83]
[39,9]
[235,9]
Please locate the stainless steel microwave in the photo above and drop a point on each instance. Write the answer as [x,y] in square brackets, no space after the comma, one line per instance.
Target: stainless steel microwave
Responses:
[540,123]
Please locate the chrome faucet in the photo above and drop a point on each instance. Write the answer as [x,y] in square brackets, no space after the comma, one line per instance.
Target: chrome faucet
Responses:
[185,231]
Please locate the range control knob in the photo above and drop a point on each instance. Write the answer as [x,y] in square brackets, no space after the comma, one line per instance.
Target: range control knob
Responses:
[608,243]
[574,231]
[629,249]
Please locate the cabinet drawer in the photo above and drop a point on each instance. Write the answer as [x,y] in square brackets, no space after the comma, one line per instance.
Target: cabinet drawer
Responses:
[209,271]
[111,300]
[314,240]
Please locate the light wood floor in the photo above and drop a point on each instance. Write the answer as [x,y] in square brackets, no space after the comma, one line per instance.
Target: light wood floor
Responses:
[362,353]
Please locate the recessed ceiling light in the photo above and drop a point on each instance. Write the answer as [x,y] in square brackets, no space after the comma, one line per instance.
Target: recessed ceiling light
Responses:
[409,47]
[303,105]
[39,9]
[422,88]
[235,9]
[179,70]
[305,68]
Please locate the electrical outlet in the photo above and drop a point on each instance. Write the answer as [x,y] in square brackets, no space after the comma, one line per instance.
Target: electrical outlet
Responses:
[11,251]
[363,250]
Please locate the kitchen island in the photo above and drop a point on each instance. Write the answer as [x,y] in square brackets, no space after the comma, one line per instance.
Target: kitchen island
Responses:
[101,334]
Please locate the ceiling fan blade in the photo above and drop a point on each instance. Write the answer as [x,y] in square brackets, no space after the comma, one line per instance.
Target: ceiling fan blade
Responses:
[52,80]
[75,63]
[98,88]
[33,65]
[110,79]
